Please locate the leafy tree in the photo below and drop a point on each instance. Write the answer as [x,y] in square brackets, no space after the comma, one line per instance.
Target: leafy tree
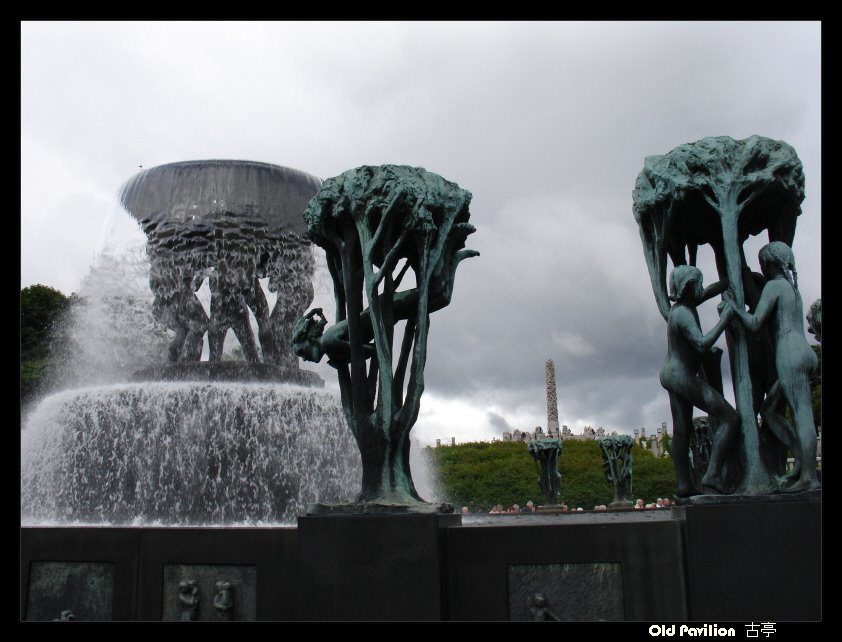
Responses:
[482,474]
[653,476]
[41,310]
[583,481]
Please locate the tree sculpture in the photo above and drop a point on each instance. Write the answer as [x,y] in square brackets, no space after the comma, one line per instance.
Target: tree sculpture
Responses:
[617,462]
[700,447]
[376,224]
[719,191]
[545,452]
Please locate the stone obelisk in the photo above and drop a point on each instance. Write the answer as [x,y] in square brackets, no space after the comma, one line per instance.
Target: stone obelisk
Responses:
[552,401]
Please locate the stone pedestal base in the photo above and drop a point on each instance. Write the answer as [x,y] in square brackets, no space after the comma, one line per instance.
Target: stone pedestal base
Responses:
[754,561]
[373,567]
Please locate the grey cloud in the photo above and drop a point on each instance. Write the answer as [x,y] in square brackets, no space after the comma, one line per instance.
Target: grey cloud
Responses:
[498,422]
[546,123]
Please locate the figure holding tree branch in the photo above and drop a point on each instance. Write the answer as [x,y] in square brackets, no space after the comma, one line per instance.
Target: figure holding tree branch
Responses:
[718,191]
[687,390]
[780,307]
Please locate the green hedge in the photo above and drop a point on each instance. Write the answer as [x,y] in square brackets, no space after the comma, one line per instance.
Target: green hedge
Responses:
[482,474]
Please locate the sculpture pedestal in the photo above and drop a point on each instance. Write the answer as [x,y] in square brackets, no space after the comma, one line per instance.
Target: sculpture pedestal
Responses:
[714,564]
[373,567]
[754,561]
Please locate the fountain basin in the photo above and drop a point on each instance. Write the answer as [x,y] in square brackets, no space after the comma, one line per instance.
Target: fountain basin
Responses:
[186,453]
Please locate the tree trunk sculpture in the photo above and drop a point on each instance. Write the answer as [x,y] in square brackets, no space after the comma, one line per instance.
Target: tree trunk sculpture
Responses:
[545,452]
[617,464]
[376,224]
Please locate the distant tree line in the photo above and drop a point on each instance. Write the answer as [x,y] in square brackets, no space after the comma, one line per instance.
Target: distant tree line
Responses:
[42,310]
[481,474]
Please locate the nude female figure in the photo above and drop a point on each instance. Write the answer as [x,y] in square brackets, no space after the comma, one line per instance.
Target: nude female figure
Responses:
[780,307]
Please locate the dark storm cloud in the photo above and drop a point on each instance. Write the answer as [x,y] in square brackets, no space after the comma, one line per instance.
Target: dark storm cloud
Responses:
[547,124]
[498,422]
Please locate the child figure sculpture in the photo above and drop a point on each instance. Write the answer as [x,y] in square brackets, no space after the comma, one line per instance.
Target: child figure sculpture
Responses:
[780,307]
[686,346]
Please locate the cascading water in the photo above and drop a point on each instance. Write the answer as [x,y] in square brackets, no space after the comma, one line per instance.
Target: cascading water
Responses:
[210,450]
[185,453]
[109,330]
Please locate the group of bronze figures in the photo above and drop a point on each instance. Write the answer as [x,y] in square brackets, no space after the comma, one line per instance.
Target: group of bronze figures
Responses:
[776,322]
[718,191]
[376,224]
[234,281]
[229,224]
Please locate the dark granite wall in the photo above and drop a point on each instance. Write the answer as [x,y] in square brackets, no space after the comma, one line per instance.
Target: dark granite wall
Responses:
[714,563]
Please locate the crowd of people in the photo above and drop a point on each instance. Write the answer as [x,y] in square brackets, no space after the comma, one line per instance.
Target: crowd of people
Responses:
[529,507]
[659,503]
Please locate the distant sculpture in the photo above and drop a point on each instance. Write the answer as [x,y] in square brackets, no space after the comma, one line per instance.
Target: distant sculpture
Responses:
[617,464]
[814,320]
[780,304]
[223,601]
[686,345]
[375,224]
[188,600]
[545,452]
[552,400]
[700,448]
[719,191]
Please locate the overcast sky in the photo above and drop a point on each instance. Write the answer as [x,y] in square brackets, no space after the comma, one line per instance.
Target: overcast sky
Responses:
[547,124]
